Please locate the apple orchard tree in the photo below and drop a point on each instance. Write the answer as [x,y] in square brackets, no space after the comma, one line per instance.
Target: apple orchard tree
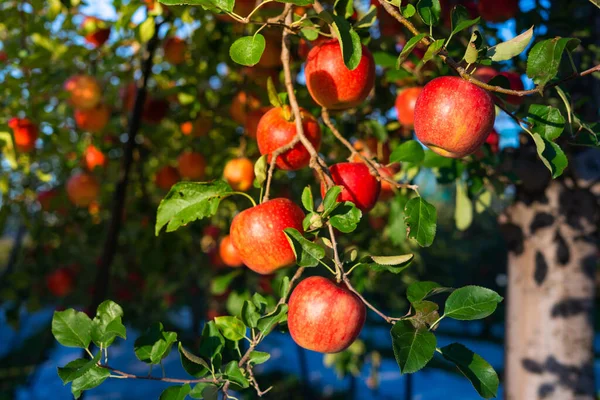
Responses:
[108,119]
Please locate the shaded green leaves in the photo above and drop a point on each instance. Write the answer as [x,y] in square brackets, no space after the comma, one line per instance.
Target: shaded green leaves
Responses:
[471,302]
[551,154]
[345,217]
[511,48]
[413,348]
[307,199]
[231,327]
[107,325]
[77,368]
[393,264]
[460,19]
[189,201]
[330,200]
[258,357]
[260,171]
[89,380]
[224,5]
[248,50]
[349,40]
[408,48]
[307,253]
[421,219]
[72,328]
[154,345]
[176,392]
[433,49]
[192,364]
[547,121]
[544,58]
[409,151]
[235,375]
[474,367]
[429,11]
[419,291]
[266,323]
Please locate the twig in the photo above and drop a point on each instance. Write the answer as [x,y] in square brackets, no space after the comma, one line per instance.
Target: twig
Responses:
[339,268]
[274,156]
[155,378]
[387,319]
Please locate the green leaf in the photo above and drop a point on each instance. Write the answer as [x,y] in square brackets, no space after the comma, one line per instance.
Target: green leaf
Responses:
[409,11]
[235,375]
[429,11]
[260,302]
[307,199]
[433,49]
[330,201]
[421,219]
[260,171]
[176,392]
[258,357]
[250,315]
[419,291]
[72,328]
[309,33]
[147,29]
[224,5]
[231,327]
[544,58]
[212,343]
[197,391]
[475,368]
[248,50]
[77,368]
[551,154]
[107,325]
[409,151]
[193,365]
[349,41]
[413,348]
[460,19]
[343,8]
[307,253]
[346,217]
[547,121]
[408,48]
[393,264]
[154,345]
[511,48]
[472,51]
[367,20]
[471,302]
[266,323]
[272,92]
[297,2]
[92,378]
[463,211]
[189,201]
[284,290]
[426,314]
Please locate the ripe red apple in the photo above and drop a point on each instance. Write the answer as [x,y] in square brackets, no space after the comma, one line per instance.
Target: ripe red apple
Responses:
[493,140]
[60,282]
[324,316]
[241,104]
[498,10]
[94,119]
[84,91]
[331,84]
[453,117]
[96,31]
[229,254]
[82,189]
[485,73]
[166,177]
[359,186]
[257,234]
[25,133]
[174,48]
[304,46]
[191,165]
[405,105]
[275,131]
[239,173]
[93,157]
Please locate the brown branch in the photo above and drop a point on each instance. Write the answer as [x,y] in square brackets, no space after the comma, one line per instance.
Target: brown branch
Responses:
[387,319]
[339,268]
[155,378]
[274,156]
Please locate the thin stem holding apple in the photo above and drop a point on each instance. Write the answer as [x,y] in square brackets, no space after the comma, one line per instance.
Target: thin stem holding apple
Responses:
[273,162]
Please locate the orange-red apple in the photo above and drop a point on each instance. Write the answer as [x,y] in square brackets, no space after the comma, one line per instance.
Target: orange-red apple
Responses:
[84,91]
[241,104]
[371,147]
[405,105]
[60,282]
[82,189]
[96,31]
[93,157]
[174,48]
[239,173]
[229,254]
[191,165]
[166,177]
[358,185]
[93,119]
[25,133]
[252,119]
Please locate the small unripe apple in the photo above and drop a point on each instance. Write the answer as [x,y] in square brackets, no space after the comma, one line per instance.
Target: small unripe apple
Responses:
[166,177]
[498,10]
[241,104]
[405,105]
[25,133]
[94,119]
[324,316]
[191,165]
[358,185]
[275,131]
[174,48]
[84,91]
[331,84]
[82,189]
[239,173]
[257,234]
[96,31]
[453,117]
[229,254]
[93,157]
[60,282]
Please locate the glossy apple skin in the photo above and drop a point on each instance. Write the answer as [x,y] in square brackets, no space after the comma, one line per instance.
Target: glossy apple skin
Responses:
[405,105]
[274,131]
[239,173]
[331,84]
[84,91]
[324,316]
[93,158]
[174,48]
[453,117]
[82,189]
[25,133]
[359,186]
[92,120]
[498,10]
[166,177]
[257,234]
[229,254]
[191,165]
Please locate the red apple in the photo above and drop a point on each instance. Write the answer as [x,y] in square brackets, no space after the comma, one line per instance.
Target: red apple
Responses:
[239,173]
[94,119]
[453,117]
[485,73]
[95,30]
[174,49]
[229,254]
[498,10]
[84,91]
[166,177]
[304,46]
[241,104]
[405,105]
[93,158]
[331,84]
[257,234]
[60,282]
[324,316]
[25,133]
[82,189]
[387,189]
[493,140]
[191,165]
[359,186]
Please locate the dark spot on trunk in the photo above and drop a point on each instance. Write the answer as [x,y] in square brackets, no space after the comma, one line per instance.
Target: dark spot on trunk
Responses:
[589,265]
[563,254]
[576,205]
[569,307]
[578,379]
[545,390]
[532,366]
[541,220]
[513,235]
[541,268]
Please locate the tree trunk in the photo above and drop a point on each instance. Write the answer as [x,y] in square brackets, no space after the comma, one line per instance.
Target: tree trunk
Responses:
[551,270]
